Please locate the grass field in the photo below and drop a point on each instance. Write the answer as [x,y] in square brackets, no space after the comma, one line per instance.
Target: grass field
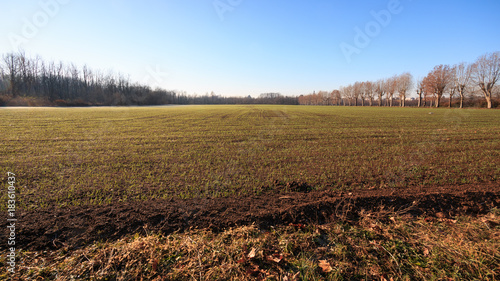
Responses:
[81,156]
[67,159]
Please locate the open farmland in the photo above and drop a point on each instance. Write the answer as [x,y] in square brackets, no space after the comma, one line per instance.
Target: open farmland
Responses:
[90,174]
[95,156]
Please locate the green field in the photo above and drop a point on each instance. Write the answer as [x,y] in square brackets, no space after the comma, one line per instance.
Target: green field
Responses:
[94,156]
[76,156]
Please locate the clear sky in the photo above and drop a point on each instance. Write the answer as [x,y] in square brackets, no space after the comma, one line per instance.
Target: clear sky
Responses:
[248,47]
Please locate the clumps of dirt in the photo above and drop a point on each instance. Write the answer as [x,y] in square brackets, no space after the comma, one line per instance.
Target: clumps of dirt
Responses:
[70,227]
[293,186]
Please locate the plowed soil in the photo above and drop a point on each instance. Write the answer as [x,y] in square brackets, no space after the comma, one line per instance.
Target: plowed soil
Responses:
[73,227]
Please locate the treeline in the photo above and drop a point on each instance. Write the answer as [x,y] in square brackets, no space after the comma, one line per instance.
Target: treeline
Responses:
[265,98]
[28,81]
[473,84]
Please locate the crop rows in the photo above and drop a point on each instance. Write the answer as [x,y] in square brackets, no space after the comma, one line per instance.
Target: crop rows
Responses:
[77,156]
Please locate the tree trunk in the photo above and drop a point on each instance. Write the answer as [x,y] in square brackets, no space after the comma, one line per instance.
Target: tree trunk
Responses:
[438,98]
[488,101]
[461,101]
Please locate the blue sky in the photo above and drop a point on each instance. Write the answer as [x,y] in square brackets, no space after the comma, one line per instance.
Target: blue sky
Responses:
[248,47]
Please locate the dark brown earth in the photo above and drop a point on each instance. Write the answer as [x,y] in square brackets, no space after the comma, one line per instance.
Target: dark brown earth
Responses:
[54,228]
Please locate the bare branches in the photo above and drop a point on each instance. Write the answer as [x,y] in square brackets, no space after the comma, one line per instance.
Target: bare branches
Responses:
[486,74]
[462,79]
[380,90]
[420,91]
[438,80]
[403,83]
[391,85]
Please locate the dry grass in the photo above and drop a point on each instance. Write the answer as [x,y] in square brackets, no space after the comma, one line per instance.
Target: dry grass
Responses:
[382,248]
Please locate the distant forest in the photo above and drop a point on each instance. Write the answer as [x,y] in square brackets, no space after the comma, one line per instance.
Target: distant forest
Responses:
[28,81]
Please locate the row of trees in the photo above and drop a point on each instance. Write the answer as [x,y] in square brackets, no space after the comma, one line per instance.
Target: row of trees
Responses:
[53,83]
[464,79]
[380,92]
[60,84]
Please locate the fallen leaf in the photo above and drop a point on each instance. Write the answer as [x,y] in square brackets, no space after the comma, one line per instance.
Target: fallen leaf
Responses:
[426,252]
[251,255]
[325,266]
[275,258]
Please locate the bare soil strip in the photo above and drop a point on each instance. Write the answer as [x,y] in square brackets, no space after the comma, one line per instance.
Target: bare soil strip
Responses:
[54,228]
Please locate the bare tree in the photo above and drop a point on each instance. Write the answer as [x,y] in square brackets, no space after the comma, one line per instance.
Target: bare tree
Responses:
[428,90]
[437,80]
[486,74]
[3,80]
[391,87]
[403,82]
[362,92]
[12,68]
[326,98]
[420,92]
[342,94]
[348,93]
[462,79]
[357,91]
[380,90]
[336,97]
[452,89]
[370,91]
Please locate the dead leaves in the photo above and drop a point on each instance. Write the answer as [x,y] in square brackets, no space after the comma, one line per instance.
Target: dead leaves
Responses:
[426,252]
[265,264]
[275,257]
[325,266]
[251,255]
